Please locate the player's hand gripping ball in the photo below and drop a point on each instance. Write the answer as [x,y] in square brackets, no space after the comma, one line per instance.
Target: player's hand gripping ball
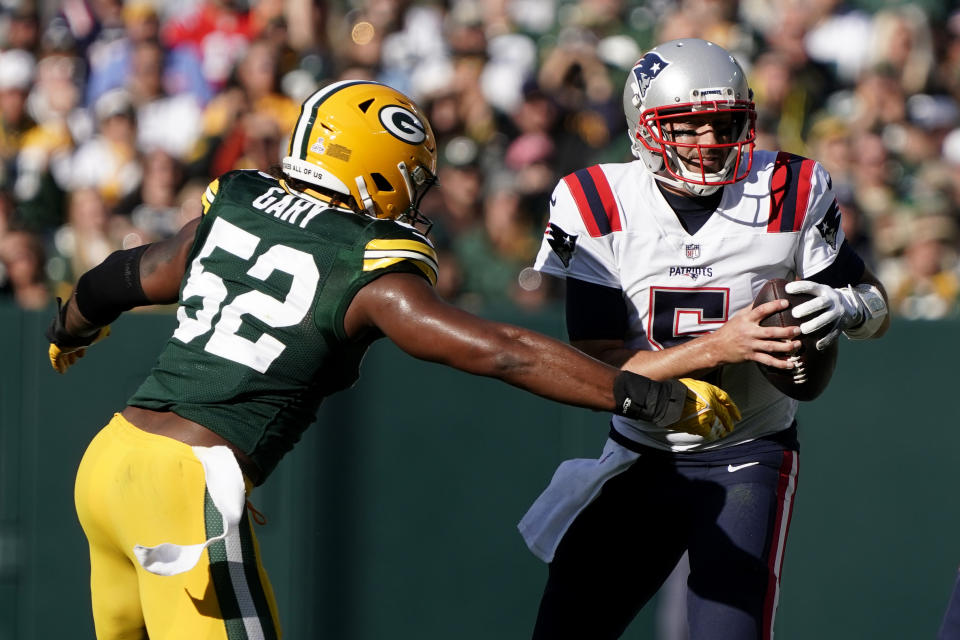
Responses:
[707,411]
[813,367]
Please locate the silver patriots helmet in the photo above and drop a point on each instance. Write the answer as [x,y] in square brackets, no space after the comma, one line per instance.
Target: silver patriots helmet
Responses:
[672,81]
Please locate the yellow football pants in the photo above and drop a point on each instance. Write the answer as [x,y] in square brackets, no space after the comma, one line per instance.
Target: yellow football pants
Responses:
[134,487]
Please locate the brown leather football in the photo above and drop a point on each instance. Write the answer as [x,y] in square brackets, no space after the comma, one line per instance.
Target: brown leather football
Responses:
[813,368]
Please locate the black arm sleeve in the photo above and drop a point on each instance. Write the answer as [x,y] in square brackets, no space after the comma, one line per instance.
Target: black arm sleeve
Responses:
[846,269]
[111,287]
[595,312]
[641,398]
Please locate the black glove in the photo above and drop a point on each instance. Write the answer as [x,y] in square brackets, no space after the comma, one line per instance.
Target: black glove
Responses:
[66,348]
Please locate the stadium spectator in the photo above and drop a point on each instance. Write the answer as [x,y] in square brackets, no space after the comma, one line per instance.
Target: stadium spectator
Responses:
[875,176]
[154,208]
[171,122]
[109,161]
[21,27]
[902,43]
[22,260]
[456,205]
[494,254]
[43,166]
[217,31]
[830,141]
[251,112]
[91,233]
[181,74]
[924,281]
[16,78]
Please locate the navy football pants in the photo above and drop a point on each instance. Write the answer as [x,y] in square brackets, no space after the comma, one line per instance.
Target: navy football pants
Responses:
[950,627]
[730,509]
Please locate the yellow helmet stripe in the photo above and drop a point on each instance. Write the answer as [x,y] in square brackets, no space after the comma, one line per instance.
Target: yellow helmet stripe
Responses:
[300,141]
[428,270]
[210,195]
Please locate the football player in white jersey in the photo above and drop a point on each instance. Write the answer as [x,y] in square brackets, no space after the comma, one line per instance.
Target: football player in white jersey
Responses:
[662,258]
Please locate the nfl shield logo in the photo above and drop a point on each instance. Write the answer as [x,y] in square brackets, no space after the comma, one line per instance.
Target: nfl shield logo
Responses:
[692,251]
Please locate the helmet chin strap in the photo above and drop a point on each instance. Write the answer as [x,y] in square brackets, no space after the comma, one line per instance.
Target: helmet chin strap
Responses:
[366,200]
[696,190]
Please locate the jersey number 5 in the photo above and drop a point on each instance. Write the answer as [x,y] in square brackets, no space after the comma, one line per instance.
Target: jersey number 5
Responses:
[678,314]
[224,342]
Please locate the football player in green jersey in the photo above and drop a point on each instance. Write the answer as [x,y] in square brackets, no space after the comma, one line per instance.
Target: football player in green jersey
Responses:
[282,284]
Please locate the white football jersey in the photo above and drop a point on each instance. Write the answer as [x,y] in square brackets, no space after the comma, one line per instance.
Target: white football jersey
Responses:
[610,225]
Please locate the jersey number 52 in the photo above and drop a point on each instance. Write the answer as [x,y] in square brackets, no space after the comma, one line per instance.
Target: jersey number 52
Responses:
[224,341]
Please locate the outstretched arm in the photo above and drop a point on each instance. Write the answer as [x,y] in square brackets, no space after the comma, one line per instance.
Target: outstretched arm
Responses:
[409,312]
[129,278]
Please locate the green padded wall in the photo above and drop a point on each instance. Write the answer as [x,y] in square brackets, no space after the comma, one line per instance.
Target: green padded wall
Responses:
[396,515]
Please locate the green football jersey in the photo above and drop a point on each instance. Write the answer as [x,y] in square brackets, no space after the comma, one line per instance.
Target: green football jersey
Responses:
[260,340]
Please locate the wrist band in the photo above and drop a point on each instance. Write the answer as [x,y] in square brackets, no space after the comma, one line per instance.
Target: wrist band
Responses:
[874,309]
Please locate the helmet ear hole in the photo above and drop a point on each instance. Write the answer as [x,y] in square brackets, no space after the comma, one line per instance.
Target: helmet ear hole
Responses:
[381,182]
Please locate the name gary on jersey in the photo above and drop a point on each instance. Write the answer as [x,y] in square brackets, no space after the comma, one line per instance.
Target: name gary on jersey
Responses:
[289,208]
[691,272]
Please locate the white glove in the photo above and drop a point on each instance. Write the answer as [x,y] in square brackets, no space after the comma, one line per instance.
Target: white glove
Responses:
[845,309]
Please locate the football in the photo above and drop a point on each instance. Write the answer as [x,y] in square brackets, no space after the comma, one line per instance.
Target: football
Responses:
[813,369]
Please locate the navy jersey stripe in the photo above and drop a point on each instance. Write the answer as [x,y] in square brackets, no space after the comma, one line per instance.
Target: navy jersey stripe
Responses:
[789,192]
[594,201]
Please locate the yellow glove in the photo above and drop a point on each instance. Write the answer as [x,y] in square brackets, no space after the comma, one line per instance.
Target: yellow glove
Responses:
[62,358]
[707,411]
[66,348]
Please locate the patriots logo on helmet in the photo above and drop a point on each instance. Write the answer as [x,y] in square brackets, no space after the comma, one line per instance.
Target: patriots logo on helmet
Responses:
[562,243]
[830,225]
[646,71]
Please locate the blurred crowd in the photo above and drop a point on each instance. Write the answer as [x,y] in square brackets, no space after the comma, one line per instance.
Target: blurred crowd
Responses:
[115,114]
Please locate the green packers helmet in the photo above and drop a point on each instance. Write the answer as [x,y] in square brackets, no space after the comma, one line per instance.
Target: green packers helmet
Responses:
[370,142]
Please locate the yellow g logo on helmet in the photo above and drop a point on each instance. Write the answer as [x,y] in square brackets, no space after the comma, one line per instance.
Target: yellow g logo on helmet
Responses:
[403,124]
[368,141]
